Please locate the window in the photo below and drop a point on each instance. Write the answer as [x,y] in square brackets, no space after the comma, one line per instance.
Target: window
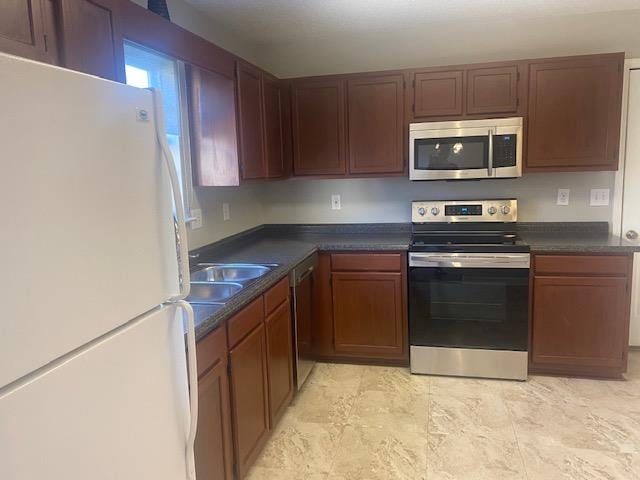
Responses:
[146,68]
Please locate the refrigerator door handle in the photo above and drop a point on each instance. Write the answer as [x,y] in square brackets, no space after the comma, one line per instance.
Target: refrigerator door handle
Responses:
[179,217]
[192,367]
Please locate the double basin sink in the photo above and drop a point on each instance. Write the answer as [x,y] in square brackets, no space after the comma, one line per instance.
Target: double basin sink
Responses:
[215,283]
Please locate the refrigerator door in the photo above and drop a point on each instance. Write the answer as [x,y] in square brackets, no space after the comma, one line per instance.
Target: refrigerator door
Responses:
[88,218]
[117,409]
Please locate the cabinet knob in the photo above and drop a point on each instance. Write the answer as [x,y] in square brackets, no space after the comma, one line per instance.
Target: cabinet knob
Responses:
[632,235]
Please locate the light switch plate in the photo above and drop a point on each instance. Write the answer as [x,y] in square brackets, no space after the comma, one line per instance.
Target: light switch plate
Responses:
[335,202]
[563,196]
[226,213]
[196,214]
[599,197]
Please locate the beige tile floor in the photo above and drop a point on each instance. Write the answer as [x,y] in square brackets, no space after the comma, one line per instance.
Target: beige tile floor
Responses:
[361,422]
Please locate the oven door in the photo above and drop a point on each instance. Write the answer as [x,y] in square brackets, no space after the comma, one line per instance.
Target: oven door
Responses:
[464,300]
[473,149]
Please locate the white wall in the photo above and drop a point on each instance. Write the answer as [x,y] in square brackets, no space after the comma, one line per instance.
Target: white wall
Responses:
[448,42]
[388,199]
[245,208]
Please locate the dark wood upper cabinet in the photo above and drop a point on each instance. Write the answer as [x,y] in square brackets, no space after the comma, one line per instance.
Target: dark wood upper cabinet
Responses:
[214,141]
[250,397]
[574,113]
[279,360]
[287,134]
[492,90]
[26,30]
[214,445]
[438,93]
[273,127]
[90,37]
[580,315]
[318,120]
[376,124]
[252,158]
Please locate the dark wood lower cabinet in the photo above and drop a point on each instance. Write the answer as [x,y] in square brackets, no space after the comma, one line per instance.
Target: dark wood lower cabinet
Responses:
[580,321]
[214,445]
[214,453]
[368,313]
[249,395]
[279,360]
[359,304]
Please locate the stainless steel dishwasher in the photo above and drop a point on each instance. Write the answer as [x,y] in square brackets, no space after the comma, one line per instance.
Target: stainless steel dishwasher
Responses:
[301,282]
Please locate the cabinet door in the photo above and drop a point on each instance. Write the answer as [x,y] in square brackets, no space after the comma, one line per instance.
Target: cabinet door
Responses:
[214,141]
[579,323]
[279,360]
[22,30]
[249,397]
[438,94]
[376,124]
[213,449]
[492,90]
[368,314]
[251,122]
[273,122]
[91,38]
[574,114]
[318,127]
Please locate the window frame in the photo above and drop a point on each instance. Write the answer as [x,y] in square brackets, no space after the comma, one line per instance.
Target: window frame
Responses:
[184,124]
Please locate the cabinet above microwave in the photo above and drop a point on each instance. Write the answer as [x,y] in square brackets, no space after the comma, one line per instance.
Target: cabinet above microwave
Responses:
[469,149]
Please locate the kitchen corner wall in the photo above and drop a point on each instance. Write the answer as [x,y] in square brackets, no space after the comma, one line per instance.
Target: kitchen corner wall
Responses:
[388,199]
[245,208]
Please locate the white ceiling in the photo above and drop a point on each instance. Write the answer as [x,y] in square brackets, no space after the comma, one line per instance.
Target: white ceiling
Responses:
[270,22]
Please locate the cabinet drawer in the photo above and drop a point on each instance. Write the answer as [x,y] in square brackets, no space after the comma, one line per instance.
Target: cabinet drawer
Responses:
[375,262]
[211,349]
[245,321]
[582,264]
[276,295]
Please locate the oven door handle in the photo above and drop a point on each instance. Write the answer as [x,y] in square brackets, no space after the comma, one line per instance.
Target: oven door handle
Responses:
[497,260]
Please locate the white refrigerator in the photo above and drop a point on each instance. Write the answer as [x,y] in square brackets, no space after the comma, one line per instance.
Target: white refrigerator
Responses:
[94,366]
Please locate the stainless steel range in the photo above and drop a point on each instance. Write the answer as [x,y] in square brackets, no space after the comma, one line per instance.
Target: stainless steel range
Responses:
[468,290]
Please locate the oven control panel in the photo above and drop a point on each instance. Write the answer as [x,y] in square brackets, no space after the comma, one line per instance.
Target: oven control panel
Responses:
[499,210]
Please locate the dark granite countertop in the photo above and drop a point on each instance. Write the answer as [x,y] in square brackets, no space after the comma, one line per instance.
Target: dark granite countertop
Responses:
[587,237]
[288,245]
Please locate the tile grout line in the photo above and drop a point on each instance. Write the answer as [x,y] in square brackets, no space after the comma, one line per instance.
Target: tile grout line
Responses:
[515,434]
[344,427]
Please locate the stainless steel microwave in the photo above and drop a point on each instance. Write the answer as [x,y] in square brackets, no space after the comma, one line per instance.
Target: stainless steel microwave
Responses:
[490,148]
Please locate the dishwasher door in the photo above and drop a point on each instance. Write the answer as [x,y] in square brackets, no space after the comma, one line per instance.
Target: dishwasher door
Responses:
[301,281]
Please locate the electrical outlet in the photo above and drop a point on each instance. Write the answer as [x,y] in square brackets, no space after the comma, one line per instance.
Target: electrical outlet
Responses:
[196,223]
[599,197]
[335,202]
[226,214]
[563,196]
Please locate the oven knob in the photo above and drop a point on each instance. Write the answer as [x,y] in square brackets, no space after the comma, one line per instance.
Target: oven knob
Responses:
[435,211]
[505,209]
[421,211]
[492,210]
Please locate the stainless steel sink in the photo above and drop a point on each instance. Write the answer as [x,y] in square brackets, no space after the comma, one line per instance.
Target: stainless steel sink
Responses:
[213,292]
[229,273]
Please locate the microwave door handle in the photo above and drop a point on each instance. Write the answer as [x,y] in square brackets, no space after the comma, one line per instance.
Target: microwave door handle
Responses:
[490,159]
